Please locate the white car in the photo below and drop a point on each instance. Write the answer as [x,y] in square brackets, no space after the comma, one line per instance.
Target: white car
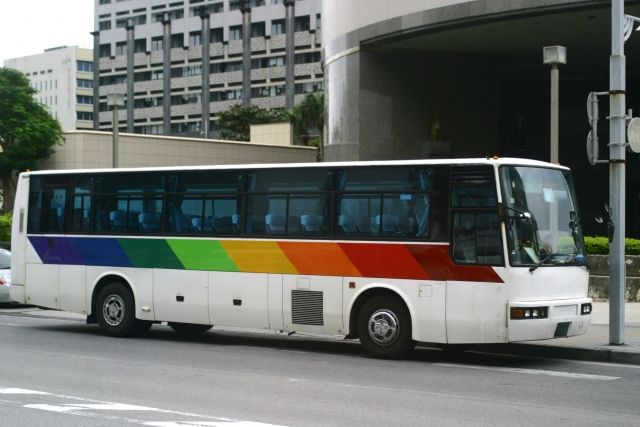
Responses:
[5,275]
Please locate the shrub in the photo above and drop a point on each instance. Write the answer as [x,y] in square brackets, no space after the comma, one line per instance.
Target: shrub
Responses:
[5,227]
[599,245]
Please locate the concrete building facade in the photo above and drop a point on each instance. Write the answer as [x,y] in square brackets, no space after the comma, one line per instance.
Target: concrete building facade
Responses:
[93,149]
[63,79]
[463,78]
[180,63]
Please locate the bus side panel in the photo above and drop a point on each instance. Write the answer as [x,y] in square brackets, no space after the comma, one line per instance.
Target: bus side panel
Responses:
[42,285]
[19,243]
[425,300]
[72,288]
[476,312]
[181,296]
[239,299]
[312,304]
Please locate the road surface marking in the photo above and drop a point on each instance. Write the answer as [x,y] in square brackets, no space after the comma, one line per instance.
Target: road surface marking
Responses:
[22,391]
[102,409]
[532,372]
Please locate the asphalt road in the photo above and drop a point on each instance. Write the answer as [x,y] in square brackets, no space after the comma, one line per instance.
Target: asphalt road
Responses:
[62,372]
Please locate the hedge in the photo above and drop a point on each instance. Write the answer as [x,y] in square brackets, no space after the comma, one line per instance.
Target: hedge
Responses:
[599,245]
[5,227]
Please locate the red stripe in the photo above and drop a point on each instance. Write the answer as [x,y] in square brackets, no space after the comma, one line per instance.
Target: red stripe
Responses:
[435,260]
[384,260]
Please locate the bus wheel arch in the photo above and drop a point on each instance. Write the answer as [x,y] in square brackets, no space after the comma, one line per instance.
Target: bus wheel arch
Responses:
[113,307]
[377,307]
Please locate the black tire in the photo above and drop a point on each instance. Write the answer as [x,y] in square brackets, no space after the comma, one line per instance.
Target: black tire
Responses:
[115,311]
[189,328]
[384,328]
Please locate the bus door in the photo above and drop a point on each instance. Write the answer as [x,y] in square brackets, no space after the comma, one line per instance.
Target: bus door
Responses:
[43,280]
[476,294]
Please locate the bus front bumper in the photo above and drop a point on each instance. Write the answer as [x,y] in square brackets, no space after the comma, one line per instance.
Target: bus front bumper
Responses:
[541,320]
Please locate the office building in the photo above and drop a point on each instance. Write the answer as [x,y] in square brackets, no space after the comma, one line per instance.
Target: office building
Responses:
[63,79]
[180,63]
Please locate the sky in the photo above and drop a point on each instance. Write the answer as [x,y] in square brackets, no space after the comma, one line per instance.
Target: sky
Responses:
[28,27]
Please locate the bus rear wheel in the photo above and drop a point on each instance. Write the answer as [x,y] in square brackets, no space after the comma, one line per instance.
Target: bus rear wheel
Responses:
[384,328]
[115,312]
[189,328]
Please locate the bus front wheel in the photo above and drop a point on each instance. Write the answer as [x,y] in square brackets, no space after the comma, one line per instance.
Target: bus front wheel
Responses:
[115,312]
[384,328]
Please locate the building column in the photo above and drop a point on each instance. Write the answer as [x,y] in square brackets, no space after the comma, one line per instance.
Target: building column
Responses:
[166,74]
[96,79]
[130,43]
[290,68]
[245,8]
[206,90]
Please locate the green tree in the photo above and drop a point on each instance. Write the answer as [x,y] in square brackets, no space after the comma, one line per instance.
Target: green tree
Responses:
[309,114]
[235,123]
[27,131]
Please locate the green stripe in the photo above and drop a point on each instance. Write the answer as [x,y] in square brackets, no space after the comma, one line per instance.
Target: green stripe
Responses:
[202,255]
[150,253]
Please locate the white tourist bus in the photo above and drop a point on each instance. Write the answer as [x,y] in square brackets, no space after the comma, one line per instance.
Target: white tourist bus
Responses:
[394,252]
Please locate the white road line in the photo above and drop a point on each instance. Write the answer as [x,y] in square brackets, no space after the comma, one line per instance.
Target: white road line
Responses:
[22,391]
[83,409]
[532,372]
[207,424]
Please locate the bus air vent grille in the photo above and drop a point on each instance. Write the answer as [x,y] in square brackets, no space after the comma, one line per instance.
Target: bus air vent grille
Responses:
[306,308]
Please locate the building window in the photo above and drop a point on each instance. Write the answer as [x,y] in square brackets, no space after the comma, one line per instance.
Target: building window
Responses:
[216,35]
[235,32]
[217,8]
[105,50]
[307,58]
[277,27]
[84,99]
[257,29]
[267,91]
[84,115]
[195,38]
[105,1]
[140,45]
[121,48]
[318,21]
[85,66]
[177,40]
[257,3]
[309,87]
[302,23]
[85,83]
[105,25]
[156,43]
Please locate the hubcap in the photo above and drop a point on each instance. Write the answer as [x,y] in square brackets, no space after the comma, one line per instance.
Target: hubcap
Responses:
[384,327]
[113,310]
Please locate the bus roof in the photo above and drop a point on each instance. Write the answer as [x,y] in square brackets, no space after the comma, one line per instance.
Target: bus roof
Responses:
[469,161]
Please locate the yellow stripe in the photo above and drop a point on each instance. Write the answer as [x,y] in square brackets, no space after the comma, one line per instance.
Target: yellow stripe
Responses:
[258,257]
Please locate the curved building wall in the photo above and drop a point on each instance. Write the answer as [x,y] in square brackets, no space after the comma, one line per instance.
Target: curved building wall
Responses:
[387,96]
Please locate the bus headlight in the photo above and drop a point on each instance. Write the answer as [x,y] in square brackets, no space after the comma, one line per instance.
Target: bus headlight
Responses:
[529,312]
[585,308]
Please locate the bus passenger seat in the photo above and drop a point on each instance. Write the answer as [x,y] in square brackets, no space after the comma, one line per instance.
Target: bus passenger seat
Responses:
[275,223]
[118,220]
[347,224]
[311,223]
[149,221]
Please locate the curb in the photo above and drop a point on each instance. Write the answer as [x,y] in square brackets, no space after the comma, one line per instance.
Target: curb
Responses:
[569,353]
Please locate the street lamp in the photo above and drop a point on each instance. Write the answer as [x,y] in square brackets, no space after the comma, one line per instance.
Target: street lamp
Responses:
[115,101]
[554,56]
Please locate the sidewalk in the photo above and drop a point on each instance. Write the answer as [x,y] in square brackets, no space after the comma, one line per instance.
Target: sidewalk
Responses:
[594,346]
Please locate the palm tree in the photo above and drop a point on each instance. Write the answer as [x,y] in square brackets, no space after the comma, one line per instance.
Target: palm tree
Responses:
[309,114]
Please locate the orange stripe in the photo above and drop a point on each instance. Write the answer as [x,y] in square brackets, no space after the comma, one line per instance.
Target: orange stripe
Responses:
[320,259]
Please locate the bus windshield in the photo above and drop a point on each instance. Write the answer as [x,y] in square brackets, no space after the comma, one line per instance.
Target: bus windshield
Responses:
[543,227]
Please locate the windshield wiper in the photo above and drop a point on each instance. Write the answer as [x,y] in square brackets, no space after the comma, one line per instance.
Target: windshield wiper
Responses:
[539,263]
